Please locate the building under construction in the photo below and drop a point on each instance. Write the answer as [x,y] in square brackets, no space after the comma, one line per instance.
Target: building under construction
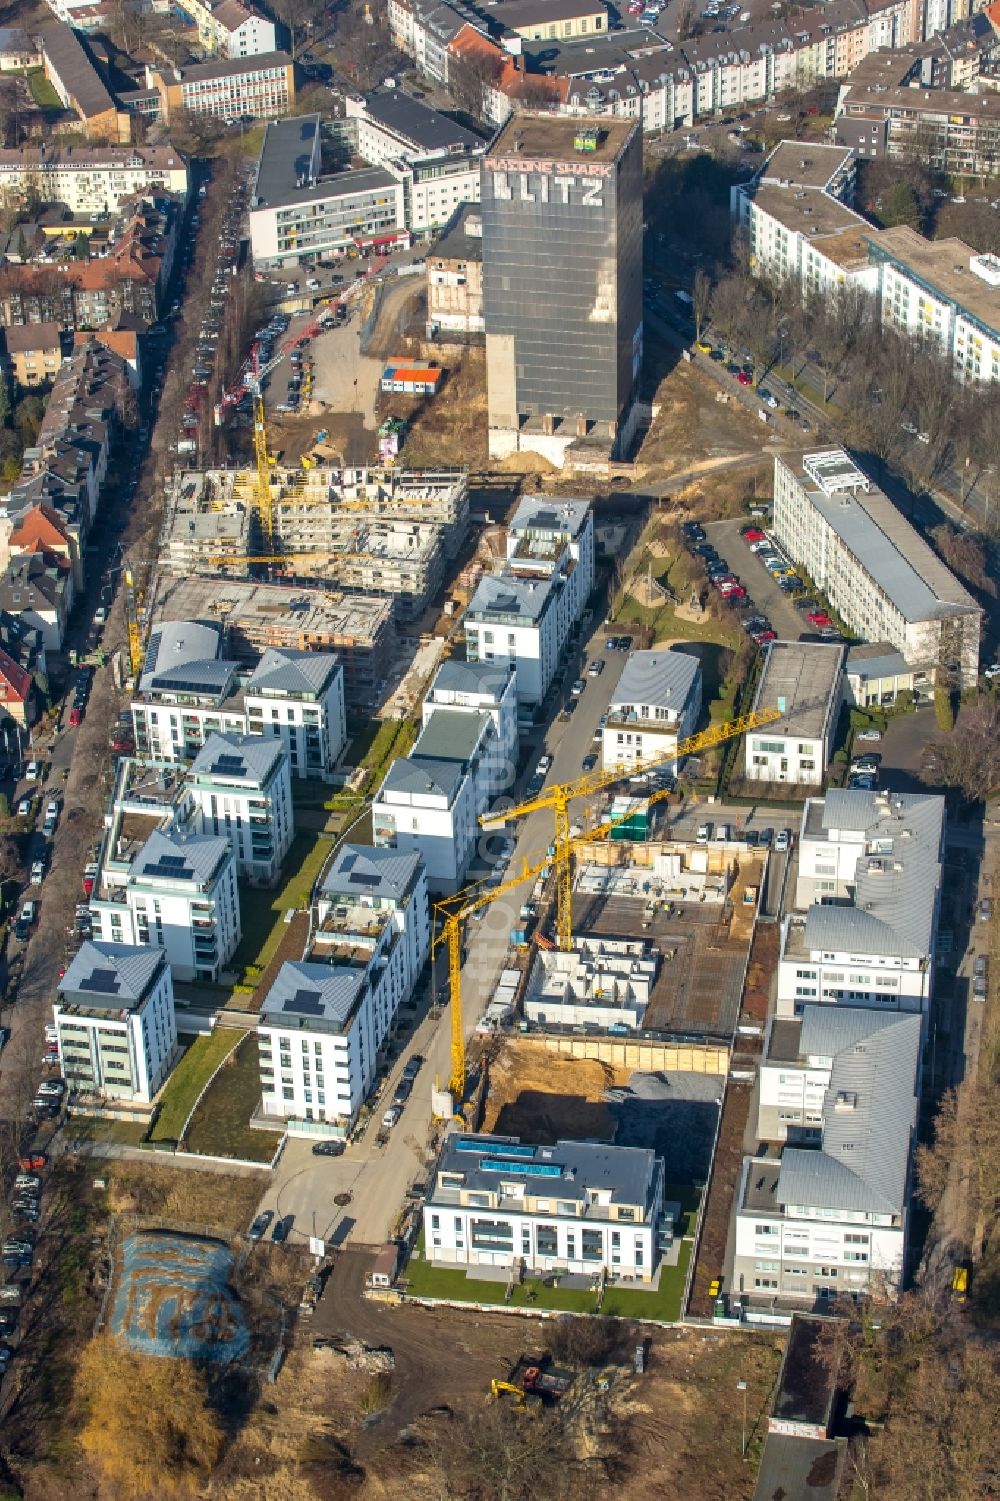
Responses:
[254,616]
[370,529]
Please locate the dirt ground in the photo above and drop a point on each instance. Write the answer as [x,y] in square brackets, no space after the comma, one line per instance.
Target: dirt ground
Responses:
[692,428]
[317,1421]
[543,1098]
[450,428]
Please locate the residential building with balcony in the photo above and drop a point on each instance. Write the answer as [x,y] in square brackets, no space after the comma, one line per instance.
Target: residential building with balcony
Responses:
[655,705]
[826,1216]
[115,1022]
[524,614]
[90,179]
[880,576]
[298,696]
[867,903]
[325,1021]
[242,789]
[482,688]
[430,800]
[576,1207]
[181,895]
[232,28]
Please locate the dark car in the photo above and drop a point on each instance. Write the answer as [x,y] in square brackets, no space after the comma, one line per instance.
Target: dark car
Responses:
[767,838]
[328,1149]
[589,762]
[752,838]
[282,1229]
[258,1229]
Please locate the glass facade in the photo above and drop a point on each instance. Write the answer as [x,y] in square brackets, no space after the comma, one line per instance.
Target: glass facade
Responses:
[562,270]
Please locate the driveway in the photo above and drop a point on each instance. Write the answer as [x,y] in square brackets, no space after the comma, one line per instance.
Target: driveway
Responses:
[901,749]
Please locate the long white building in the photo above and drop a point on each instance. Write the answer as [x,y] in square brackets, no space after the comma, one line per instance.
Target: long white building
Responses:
[827,1216]
[877,572]
[115,1022]
[91,179]
[524,613]
[867,903]
[241,787]
[578,1207]
[325,1021]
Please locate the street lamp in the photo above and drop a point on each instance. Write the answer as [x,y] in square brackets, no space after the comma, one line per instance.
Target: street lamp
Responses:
[741,1386]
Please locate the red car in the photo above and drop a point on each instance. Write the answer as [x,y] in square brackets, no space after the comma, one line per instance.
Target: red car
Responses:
[760,638]
[818,617]
[32,1161]
[75,717]
[753,534]
[743,379]
[733,596]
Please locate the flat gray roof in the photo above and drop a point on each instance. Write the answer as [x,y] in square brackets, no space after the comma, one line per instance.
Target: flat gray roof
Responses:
[550,138]
[805,164]
[801,679]
[286,154]
[875,659]
[421,775]
[455,243]
[484,678]
[794,1468]
[451,735]
[570,1167]
[425,128]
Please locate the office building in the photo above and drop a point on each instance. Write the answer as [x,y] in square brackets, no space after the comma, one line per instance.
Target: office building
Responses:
[562,283]
[827,1216]
[259,87]
[863,931]
[325,1022]
[90,179]
[802,680]
[242,789]
[115,1022]
[525,612]
[455,276]
[655,704]
[880,576]
[576,1207]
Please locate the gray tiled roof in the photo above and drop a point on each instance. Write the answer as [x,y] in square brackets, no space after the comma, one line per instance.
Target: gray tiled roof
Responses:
[896,879]
[359,871]
[473,677]
[422,775]
[238,758]
[288,671]
[451,735]
[828,1030]
[179,643]
[503,594]
[869,1112]
[662,679]
[551,513]
[320,996]
[171,857]
[118,975]
[629,1172]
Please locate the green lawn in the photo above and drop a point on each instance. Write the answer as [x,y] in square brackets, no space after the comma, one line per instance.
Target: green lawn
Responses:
[668,626]
[220,1126]
[262,913]
[189,1079]
[42,91]
[95,1128]
[426,1281]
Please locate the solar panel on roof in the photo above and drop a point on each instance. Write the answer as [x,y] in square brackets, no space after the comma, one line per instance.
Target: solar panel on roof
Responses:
[307,1002]
[227,764]
[104,982]
[363,878]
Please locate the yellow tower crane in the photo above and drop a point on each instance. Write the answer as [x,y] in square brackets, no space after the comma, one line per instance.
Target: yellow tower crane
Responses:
[452,913]
[559,797]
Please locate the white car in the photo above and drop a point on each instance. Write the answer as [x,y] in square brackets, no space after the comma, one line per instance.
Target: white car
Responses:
[783,840]
[869,735]
[25,806]
[578,687]
[992,672]
[704,833]
[31,772]
[391,1117]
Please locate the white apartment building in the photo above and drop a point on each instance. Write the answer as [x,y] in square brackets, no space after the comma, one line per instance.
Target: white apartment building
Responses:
[187,692]
[299,697]
[655,705]
[181,896]
[880,576]
[91,179]
[365,888]
[867,900]
[115,1022]
[803,681]
[525,613]
[482,688]
[242,789]
[942,292]
[827,1216]
[578,1207]
[232,29]
[430,800]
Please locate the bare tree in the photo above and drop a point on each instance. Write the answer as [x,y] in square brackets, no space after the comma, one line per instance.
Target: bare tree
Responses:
[701,297]
[969,760]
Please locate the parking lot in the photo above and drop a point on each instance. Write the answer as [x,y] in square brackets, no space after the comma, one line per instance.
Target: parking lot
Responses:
[761,588]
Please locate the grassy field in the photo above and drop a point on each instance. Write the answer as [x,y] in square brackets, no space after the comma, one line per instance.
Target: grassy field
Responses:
[42,91]
[220,1126]
[262,913]
[426,1281]
[94,1128]
[189,1079]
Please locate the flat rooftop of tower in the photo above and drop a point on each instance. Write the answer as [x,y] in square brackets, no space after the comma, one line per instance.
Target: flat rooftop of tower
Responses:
[551,138]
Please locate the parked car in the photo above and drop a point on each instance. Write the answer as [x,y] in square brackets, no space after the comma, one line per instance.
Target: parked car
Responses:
[783,840]
[391,1117]
[258,1229]
[413,1066]
[328,1149]
[38,871]
[589,761]
[596,668]
[282,1229]
[704,833]
[578,688]
[26,918]
[869,735]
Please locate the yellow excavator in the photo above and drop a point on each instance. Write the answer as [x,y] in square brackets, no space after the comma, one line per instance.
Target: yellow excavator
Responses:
[523,1401]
